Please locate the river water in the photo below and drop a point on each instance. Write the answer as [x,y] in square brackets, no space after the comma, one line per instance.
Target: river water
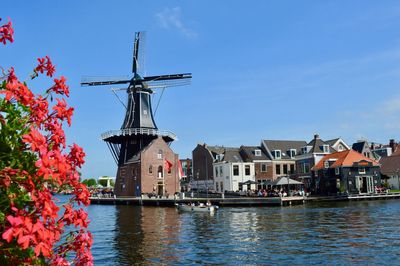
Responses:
[341,233]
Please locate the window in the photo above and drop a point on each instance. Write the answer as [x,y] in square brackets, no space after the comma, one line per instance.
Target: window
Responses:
[340,148]
[159,154]
[326,164]
[160,172]
[220,171]
[257,152]
[277,154]
[216,171]
[278,169]
[337,171]
[222,186]
[216,186]
[150,169]
[304,150]
[326,148]
[306,168]
[361,170]
[236,170]
[292,153]
[285,169]
[247,169]
[292,169]
[263,167]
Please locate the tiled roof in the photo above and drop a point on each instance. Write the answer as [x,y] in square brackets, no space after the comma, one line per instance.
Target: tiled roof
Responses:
[284,146]
[344,158]
[390,164]
[249,151]
[232,155]
[331,141]
[358,146]
[317,146]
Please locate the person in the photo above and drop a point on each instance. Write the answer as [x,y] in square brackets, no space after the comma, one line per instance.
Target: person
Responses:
[208,203]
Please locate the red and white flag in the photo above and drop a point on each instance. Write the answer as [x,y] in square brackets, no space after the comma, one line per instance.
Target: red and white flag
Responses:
[180,169]
[167,165]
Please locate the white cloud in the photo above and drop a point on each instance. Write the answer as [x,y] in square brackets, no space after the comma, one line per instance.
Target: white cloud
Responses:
[170,18]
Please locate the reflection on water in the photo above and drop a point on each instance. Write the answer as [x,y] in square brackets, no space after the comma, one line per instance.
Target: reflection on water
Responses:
[331,233]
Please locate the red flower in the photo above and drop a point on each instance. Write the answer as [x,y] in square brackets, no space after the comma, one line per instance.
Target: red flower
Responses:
[76,155]
[60,87]
[36,140]
[62,112]
[6,33]
[45,65]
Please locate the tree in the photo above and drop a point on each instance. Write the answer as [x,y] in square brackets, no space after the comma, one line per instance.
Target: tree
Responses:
[91,182]
[34,162]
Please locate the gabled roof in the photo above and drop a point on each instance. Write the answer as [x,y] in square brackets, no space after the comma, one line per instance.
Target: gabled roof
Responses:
[331,142]
[232,155]
[249,152]
[343,159]
[359,146]
[284,146]
[317,146]
[363,146]
[215,149]
[390,165]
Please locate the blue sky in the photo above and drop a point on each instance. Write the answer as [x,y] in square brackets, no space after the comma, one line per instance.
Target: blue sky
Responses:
[261,70]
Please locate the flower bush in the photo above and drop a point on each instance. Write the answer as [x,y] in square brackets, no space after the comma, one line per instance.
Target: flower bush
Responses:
[35,163]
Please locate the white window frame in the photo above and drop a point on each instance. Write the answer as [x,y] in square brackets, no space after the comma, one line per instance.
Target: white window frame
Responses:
[257,153]
[293,153]
[275,154]
[325,148]
[326,164]
[337,171]
[233,170]
[362,171]
[261,168]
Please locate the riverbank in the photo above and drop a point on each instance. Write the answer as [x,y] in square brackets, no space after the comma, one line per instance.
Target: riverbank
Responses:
[239,201]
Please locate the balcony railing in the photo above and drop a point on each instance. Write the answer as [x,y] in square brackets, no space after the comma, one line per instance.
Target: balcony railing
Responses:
[137,131]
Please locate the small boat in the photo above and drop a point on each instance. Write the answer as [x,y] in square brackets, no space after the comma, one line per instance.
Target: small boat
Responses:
[196,208]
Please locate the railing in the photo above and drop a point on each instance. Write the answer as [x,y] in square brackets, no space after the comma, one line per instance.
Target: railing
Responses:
[137,131]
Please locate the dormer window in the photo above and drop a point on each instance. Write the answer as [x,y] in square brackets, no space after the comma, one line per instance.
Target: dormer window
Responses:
[220,157]
[340,148]
[326,164]
[257,152]
[292,153]
[326,148]
[277,154]
[303,150]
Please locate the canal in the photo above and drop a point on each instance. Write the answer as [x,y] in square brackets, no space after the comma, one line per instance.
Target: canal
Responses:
[341,233]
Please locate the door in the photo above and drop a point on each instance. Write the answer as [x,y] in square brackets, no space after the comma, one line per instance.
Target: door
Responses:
[160,188]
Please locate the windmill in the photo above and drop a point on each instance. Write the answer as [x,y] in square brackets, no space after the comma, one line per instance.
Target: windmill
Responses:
[138,128]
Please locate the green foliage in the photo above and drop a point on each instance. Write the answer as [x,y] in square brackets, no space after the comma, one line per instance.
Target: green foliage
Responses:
[91,182]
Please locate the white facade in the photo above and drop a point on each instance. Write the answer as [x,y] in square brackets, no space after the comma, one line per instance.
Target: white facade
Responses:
[228,175]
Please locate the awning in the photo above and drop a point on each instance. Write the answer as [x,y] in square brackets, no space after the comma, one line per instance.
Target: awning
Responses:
[286,181]
[249,182]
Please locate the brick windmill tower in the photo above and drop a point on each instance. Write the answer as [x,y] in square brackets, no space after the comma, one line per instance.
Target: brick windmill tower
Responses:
[146,163]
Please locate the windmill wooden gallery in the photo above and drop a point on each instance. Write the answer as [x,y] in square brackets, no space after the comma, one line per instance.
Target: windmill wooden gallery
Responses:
[146,163]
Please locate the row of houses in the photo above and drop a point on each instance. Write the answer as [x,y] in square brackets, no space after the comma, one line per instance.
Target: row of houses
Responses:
[323,166]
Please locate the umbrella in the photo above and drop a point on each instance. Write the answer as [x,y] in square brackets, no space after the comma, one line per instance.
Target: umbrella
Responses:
[286,181]
[250,182]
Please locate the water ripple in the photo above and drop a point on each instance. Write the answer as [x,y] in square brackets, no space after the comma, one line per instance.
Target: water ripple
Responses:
[356,233]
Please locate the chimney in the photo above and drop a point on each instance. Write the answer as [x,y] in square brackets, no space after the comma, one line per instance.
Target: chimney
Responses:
[392,144]
[316,136]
